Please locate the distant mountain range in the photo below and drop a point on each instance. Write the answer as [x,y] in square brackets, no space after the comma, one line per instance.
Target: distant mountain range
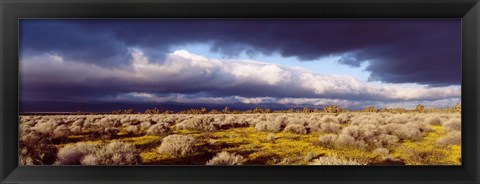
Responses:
[61,106]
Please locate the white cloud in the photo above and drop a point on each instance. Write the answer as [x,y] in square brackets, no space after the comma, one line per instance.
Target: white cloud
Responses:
[55,58]
[312,102]
[442,103]
[319,102]
[183,98]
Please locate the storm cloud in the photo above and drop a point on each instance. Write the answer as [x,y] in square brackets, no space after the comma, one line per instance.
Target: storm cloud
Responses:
[408,61]
[186,77]
[422,51]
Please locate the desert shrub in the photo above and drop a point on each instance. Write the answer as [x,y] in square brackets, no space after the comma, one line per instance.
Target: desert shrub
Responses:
[309,156]
[314,126]
[110,122]
[90,160]
[398,119]
[341,141]
[254,121]
[231,122]
[226,158]
[329,119]
[334,160]
[75,129]
[346,141]
[361,137]
[343,118]
[324,127]
[313,117]
[423,126]
[268,126]
[329,128]
[332,109]
[360,120]
[36,149]
[145,125]
[408,131]
[104,133]
[125,120]
[27,125]
[452,138]
[271,137]
[357,132]
[389,128]
[79,122]
[73,154]
[114,153]
[160,129]
[390,160]
[132,129]
[45,127]
[178,145]
[282,120]
[452,125]
[327,140]
[381,151]
[170,120]
[296,128]
[104,129]
[419,108]
[375,119]
[434,120]
[22,119]
[211,141]
[198,123]
[386,140]
[297,121]
[61,132]
[261,117]
[423,156]
[370,109]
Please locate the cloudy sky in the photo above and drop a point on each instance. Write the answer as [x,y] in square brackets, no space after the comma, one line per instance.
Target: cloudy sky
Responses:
[317,62]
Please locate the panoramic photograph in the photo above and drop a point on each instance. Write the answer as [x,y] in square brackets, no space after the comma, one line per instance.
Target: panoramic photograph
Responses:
[316,92]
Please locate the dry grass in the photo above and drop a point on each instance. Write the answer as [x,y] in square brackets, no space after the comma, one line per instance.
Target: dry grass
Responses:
[334,160]
[226,158]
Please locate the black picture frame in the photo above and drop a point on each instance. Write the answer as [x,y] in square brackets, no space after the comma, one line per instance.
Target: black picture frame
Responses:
[13,10]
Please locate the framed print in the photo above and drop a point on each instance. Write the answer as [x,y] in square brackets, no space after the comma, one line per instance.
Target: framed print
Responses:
[251,91]
[205,96]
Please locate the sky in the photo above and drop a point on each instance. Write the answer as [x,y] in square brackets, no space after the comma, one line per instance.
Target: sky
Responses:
[353,63]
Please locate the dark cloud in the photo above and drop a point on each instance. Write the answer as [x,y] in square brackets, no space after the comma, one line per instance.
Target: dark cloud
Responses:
[421,51]
[97,60]
[89,44]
